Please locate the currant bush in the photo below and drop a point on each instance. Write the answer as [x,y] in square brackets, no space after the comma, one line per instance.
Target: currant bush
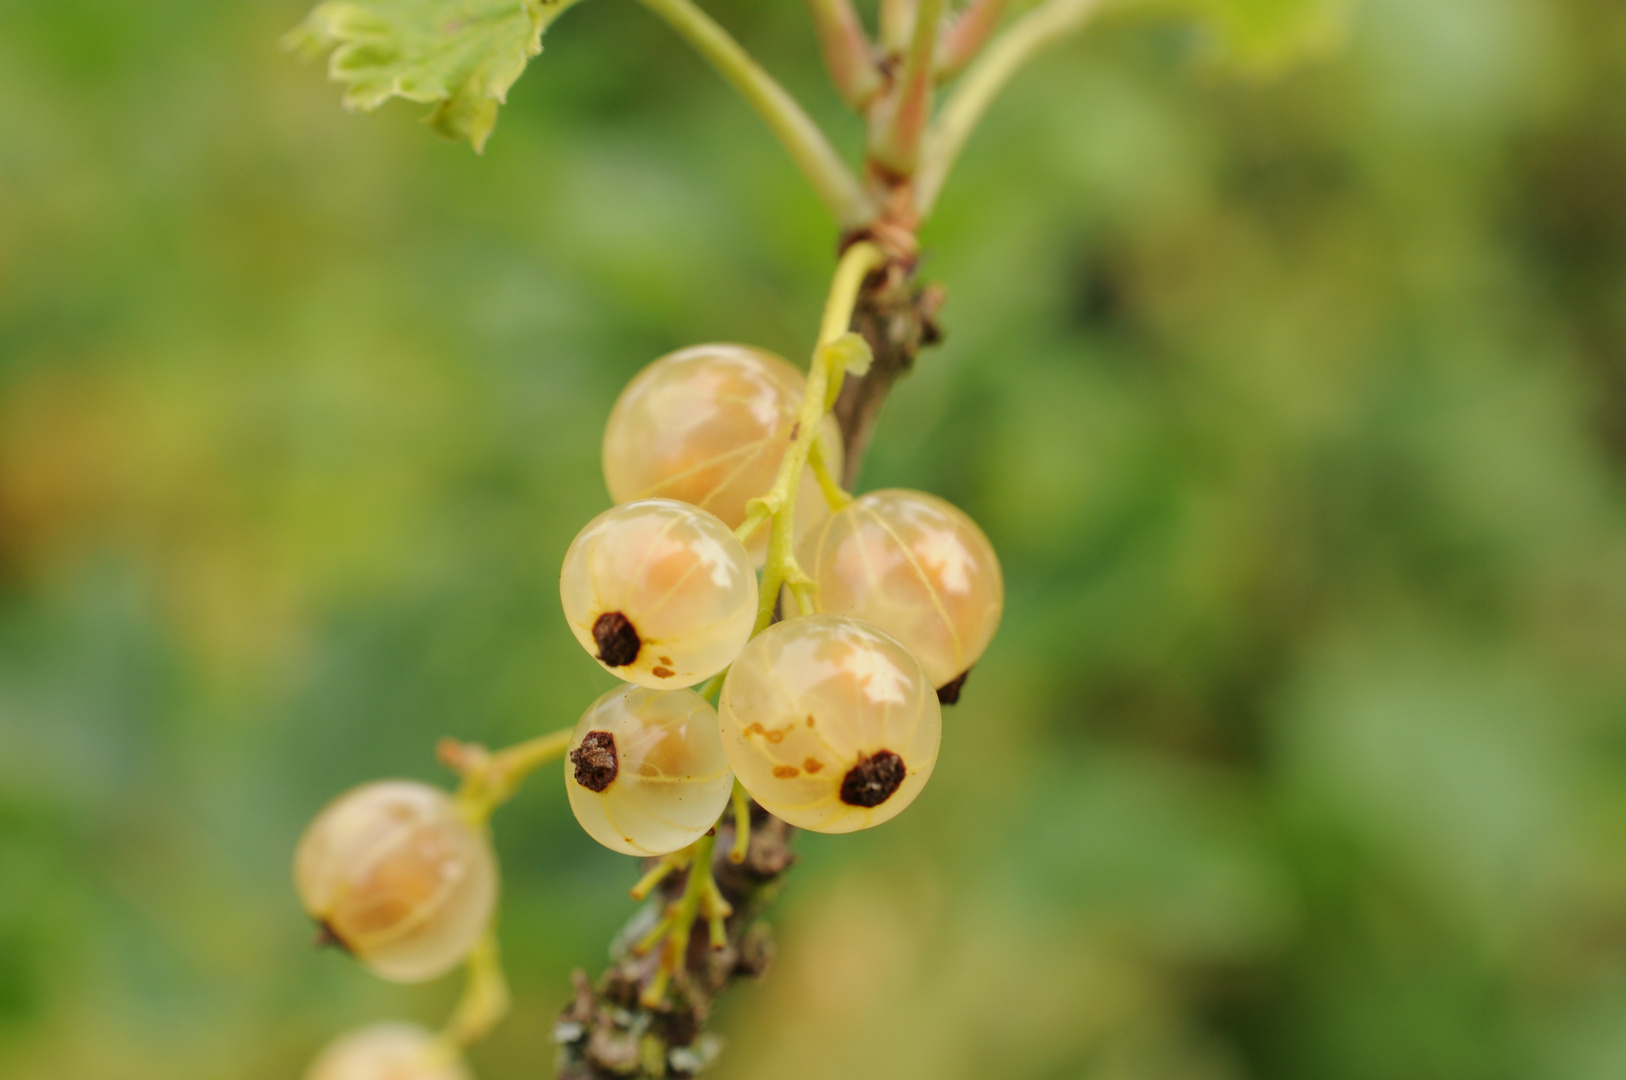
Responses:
[918,568]
[398,876]
[659,592]
[646,772]
[830,723]
[721,460]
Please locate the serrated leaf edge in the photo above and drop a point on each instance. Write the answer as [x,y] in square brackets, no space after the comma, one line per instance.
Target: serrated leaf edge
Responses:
[337,25]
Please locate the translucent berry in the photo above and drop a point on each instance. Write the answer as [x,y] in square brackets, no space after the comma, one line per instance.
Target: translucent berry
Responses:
[659,592]
[390,1051]
[918,568]
[829,723]
[646,771]
[398,877]
[709,425]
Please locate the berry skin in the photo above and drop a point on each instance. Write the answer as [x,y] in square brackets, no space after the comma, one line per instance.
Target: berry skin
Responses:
[389,1051]
[399,877]
[646,773]
[918,568]
[829,723]
[709,425]
[659,592]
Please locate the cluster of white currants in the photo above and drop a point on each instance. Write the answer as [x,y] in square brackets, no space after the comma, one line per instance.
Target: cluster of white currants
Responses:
[830,719]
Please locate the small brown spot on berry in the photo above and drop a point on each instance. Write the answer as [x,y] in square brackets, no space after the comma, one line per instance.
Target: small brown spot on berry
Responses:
[949,692]
[873,780]
[786,772]
[812,764]
[776,736]
[617,641]
[595,761]
[662,672]
[809,719]
[667,660]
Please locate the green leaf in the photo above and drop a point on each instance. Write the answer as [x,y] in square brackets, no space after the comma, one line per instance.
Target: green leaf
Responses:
[462,55]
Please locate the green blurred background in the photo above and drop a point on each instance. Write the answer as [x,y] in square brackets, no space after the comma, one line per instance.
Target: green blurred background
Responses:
[1296,407]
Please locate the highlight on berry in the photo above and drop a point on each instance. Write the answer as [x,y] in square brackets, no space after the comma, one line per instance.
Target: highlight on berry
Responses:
[659,592]
[710,425]
[830,723]
[917,567]
[646,773]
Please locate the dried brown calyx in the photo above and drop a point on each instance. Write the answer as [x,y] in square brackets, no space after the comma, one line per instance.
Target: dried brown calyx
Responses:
[618,642]
[949,692]
[873,780]
[595,761]
[328,938]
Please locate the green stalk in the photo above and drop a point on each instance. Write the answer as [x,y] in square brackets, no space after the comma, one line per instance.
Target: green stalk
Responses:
[491,779]
[901,123]
[1005,55]
[823,374]
[485,998]
[846,51]
[965,38]
[809,149]
[897,19]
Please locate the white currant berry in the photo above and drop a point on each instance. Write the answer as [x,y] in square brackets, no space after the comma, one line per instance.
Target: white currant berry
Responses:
[659,592]
[829,723]
[646,773]
[918,568]
[388,1051]
[396,874]
[709,425]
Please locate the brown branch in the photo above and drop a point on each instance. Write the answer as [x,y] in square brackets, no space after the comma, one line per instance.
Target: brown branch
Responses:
[606,1033]
[898,317]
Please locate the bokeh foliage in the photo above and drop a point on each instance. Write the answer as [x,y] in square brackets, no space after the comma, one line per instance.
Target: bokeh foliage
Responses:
[1296,406]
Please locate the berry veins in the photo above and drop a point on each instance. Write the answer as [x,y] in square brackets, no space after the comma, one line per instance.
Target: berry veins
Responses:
[397,875]
[829,723]
[709,425]
[918,568]
[646,774]
[659,592]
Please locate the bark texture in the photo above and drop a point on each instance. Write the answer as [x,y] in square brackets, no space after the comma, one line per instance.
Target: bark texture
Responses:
[898,317]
